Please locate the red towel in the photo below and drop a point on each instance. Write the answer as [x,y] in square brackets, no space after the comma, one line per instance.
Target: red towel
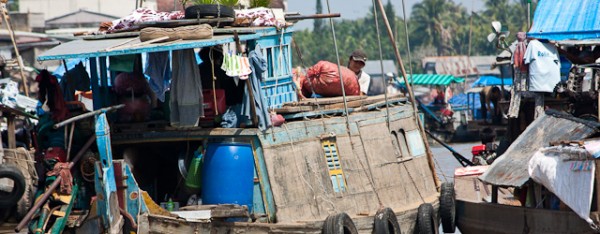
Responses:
[62,169]
[51,95]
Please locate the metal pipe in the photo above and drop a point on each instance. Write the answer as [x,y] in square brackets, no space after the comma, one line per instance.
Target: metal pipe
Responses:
[53,186]
[385,83]
[316,16]
[411,94]
[87,115]
[337,55]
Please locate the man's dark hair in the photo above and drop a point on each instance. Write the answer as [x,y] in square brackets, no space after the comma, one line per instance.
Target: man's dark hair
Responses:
[487,135]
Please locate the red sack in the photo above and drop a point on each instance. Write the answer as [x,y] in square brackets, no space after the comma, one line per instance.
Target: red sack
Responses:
[325,80]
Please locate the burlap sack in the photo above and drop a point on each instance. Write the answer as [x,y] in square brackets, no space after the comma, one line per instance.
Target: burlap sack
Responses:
[192,32]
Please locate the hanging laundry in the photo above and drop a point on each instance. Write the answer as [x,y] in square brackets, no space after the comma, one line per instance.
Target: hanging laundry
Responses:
[62,170]
[122,63]
[50,95]
[234,91]
[76,79]
[159,71]
[186,90]
[258,64]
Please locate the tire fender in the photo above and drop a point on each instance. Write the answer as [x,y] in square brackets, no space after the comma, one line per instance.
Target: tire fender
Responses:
[9,199]
[448,207]
[425,219]
[386,222]
[339,224]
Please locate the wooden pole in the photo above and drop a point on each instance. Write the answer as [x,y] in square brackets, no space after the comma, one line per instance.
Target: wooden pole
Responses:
[410,91]
[12,38]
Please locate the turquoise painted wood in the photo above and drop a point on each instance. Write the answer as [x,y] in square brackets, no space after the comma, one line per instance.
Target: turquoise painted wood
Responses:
[95,86]
[105,184]
[71,54]
[277,87]
[135,203]
[268,201]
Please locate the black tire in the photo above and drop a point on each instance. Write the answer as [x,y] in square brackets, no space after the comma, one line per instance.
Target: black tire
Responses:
[448,207]
[425,220]
[386,222]
[339,224]
[208,10]
[9,199]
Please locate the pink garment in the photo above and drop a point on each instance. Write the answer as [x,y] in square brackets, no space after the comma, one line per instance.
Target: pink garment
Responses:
[257,17]
[143,15]
[520,52]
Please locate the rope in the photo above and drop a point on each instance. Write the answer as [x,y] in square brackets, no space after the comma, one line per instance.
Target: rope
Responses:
[362,165]
[407,40]
[337,55]
[385,84]
[302,174]
[214,78]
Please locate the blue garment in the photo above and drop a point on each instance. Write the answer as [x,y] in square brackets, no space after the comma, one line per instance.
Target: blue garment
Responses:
[258,64]
[159,72]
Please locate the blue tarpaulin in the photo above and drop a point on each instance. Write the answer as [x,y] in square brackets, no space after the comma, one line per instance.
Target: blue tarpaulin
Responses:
[562,20]
[491,80]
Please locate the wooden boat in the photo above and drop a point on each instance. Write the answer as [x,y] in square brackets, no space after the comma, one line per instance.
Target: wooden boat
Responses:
[327,169]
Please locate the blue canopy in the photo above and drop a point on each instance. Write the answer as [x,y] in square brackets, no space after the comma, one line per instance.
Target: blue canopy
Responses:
[491,80]
[562,20]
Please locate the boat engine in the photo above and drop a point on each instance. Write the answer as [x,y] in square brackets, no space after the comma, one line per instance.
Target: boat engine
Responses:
[483,154]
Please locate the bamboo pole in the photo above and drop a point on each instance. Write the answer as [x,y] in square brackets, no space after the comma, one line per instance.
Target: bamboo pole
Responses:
[411,94]
[12,38]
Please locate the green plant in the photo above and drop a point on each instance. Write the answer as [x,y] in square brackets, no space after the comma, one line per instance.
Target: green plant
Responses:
[204,1]
[259,3]
[229,3]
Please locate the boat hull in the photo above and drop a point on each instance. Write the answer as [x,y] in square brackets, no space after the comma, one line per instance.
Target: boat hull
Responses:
[161,224]
[494,218]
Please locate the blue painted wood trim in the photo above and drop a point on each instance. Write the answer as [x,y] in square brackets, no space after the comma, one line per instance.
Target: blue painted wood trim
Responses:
[152,48]
[261,168]
[106,186]
[133,197]
[95,86]
[104,82]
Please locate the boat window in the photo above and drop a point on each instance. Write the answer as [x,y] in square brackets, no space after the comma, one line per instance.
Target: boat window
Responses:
[396,144]
[334,165]
[401,139]
[415,143]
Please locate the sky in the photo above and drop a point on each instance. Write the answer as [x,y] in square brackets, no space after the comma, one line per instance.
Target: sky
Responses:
[352,9]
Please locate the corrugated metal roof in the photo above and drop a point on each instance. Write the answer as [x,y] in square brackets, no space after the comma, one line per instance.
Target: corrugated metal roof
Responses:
[462,65]
[373,67]
[510,169]
[561,20]
[81,17]
[96,48]
[430,79]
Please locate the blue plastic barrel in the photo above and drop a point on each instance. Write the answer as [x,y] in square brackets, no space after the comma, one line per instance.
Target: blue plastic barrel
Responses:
[228,174]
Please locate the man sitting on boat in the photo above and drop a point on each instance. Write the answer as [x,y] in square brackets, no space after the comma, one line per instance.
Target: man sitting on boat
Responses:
[356,63]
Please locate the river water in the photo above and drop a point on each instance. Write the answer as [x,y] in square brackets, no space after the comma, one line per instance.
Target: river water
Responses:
[445,163]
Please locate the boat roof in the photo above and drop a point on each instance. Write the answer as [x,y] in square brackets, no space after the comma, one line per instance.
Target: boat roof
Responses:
[561,20]
[432,79]
[121,46]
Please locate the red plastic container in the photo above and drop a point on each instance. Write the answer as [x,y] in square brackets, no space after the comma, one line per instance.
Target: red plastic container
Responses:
[209,106]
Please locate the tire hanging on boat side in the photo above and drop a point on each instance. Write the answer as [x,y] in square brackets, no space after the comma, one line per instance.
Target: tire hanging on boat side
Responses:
[386,222]
[448,207]
[339,223]
[9,199]
[425,219]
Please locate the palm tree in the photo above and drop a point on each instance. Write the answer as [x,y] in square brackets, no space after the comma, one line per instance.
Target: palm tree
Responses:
[427,21]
